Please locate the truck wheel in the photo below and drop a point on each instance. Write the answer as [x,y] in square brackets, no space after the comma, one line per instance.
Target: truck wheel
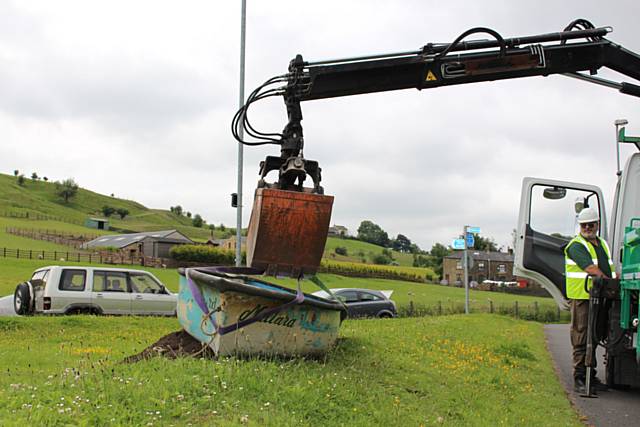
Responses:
[22,300]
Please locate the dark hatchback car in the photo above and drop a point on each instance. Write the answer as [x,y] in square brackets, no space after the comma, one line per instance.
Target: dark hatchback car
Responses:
[363,302]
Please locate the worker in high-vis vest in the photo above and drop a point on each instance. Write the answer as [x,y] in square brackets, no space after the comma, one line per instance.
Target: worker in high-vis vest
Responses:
[585,255]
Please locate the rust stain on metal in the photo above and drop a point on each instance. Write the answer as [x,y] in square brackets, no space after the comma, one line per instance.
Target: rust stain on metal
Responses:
[288,231]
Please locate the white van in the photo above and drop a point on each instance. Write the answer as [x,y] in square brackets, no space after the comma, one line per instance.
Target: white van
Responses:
[95,290]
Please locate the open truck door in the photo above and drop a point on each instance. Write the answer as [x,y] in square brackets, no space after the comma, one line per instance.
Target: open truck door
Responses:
[546,223]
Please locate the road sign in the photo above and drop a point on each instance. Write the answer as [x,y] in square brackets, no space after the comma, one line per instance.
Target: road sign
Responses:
[474,230]
[470,240]
[457,244]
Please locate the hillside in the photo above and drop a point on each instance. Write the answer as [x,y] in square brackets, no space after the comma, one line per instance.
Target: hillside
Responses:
[39,198]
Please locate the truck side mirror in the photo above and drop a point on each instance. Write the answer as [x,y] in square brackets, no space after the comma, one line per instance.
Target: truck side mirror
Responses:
[555,193]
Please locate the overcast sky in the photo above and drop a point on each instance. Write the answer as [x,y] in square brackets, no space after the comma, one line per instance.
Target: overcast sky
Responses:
[136,99]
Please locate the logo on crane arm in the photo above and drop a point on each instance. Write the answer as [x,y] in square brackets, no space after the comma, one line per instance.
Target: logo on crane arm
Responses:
[431,77]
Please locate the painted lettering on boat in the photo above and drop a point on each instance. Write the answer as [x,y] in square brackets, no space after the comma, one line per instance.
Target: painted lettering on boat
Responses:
[280,319]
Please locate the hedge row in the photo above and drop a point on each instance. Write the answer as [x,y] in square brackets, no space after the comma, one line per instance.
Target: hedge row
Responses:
[203,253]
[376,271]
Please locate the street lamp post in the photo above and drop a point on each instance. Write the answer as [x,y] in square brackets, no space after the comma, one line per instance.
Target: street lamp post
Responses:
[466,271]
[243,21]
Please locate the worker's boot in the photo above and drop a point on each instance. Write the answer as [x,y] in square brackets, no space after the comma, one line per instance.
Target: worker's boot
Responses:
[579,385]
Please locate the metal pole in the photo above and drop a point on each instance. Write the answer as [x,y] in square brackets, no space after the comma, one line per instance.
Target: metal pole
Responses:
[243,27]
[617,152]
[466,272]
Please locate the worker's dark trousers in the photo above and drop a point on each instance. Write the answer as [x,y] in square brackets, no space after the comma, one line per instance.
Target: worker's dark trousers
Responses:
[579,322]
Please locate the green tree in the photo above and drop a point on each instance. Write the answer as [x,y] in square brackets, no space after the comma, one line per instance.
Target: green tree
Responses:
[222,227]
[401,243]
[484,243]
[45,179]
[122,212]
[197,221]
[16,172]
[21,180]
[34,176]
[66,189]
[107,211]
[372,233]
[188,214]
[438,252]
[382,259]
[420,260]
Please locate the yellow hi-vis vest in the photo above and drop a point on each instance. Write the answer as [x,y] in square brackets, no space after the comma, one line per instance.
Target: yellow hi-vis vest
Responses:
[575,275]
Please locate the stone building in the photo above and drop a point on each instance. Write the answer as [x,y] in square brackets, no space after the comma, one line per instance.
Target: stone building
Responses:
[497,266]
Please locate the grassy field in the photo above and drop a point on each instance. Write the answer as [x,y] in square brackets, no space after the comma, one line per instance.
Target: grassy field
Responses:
[412,299]
[14,271]
[431,371]
[358,251]
[39,198]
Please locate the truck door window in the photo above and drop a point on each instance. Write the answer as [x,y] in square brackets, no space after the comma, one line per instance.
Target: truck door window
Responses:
[558,217]
[72,280]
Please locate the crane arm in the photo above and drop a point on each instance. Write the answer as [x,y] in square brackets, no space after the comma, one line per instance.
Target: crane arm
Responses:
[575,53]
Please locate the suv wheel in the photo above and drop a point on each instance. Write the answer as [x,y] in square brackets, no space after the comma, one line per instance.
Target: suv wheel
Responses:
[22,300]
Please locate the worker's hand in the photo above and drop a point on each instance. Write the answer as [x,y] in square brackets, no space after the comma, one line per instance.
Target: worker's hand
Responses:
[595,271]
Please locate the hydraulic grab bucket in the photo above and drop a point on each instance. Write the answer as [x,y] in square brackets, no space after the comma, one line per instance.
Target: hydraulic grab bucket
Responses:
[288,231]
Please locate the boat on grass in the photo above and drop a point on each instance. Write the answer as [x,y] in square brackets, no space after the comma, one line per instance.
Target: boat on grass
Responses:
[234,312]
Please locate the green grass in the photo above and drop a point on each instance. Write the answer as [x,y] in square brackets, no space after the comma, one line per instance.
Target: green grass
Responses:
[14,271]
[39,198]
[441,371]
[357,251]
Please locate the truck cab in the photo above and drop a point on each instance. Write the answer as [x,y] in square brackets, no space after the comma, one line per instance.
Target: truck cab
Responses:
[546,223]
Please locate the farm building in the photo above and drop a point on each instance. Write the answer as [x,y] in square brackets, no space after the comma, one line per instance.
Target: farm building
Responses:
[338,231]
[486,266]
[152,243]
[99,223]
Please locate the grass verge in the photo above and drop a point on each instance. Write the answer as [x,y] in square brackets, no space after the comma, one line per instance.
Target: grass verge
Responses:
[476,370]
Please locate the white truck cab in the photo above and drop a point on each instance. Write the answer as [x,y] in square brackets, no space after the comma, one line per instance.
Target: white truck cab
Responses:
[548,220]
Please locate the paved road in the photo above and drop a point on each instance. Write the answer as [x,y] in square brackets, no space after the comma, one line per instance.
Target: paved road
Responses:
[6,306]
[613,408]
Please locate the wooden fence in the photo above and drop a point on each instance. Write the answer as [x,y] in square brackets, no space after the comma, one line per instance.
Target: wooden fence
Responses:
[68,239]
[35,216]
[102,257]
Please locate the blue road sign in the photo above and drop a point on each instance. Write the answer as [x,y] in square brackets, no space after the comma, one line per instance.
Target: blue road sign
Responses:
[470,240]
[474,230]
[457,244]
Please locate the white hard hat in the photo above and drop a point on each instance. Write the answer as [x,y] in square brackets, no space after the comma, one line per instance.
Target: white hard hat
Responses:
[588,215]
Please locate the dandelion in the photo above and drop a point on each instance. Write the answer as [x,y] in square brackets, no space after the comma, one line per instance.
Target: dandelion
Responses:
[244,419]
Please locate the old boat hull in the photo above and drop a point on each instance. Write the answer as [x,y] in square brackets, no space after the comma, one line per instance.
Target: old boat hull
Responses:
[306,328]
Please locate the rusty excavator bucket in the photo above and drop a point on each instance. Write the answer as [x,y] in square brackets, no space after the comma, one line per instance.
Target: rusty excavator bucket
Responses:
[288,231]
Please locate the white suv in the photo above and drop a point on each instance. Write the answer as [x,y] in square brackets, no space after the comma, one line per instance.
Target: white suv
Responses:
[96,290]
